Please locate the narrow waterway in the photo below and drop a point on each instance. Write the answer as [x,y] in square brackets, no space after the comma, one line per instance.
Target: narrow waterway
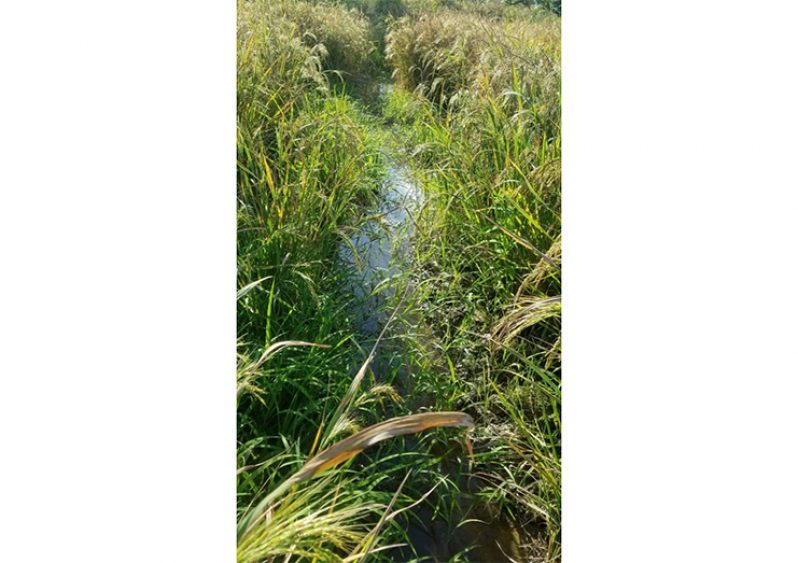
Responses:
[378,251]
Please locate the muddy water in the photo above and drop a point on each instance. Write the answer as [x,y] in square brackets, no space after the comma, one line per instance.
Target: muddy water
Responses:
[378,251]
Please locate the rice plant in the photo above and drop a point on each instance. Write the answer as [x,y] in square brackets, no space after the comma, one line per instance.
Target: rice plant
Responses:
[478,101]
[339,460]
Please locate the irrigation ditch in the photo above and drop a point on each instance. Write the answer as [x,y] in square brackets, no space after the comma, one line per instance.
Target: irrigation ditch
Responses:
[377,254]
[398,257]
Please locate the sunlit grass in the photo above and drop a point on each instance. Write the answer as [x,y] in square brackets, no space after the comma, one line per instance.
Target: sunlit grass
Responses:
[477,114]
[479,106]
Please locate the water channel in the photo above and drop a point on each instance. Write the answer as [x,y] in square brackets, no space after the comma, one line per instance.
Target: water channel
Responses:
[377,252]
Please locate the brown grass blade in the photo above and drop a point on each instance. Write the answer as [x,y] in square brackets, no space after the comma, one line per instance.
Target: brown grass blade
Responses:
[527,312]
[356,443]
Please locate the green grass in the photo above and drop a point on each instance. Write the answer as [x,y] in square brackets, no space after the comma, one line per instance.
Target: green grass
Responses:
[478,102]
[308,161]
[476,114]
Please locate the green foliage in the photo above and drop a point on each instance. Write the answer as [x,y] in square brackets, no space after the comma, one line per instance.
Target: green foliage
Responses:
[477,107]
[553,5]
[480,109]
[307,160]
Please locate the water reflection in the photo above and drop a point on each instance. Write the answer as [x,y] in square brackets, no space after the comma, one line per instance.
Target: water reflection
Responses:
[379,246]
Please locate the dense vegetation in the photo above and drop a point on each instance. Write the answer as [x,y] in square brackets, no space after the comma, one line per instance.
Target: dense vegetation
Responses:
[475,112]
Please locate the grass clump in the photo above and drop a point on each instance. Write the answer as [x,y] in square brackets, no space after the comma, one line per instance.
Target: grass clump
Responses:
[445,52]
[340,38]
[479,103]
[307,160]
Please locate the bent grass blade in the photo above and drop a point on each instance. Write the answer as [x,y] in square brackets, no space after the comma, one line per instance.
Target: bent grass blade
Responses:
[353,445]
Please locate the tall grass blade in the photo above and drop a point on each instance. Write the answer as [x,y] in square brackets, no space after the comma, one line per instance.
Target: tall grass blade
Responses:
[353,445]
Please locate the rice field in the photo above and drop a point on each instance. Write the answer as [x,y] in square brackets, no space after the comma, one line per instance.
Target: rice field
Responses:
[402,406]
